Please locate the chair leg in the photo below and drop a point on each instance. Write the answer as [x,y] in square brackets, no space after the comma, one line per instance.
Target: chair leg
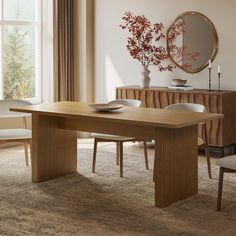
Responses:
[221,176]
[145,154]
[121,159]
[207,149]
[30,146]
[208,162]
[117,153]
[26,154]
[94,155]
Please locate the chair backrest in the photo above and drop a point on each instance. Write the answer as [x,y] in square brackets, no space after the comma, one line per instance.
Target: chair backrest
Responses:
[7,103]
[127,102]
[187,107]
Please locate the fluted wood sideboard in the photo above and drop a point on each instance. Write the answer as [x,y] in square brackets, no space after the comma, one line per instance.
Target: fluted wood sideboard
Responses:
[222,132]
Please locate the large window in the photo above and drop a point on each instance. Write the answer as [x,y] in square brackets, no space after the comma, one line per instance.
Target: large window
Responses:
[20,49]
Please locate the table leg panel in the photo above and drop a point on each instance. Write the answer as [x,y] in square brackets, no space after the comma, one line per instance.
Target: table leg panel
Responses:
[54,150]
[176,164]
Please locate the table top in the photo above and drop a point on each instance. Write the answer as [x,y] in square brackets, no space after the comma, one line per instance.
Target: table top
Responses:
[132,115]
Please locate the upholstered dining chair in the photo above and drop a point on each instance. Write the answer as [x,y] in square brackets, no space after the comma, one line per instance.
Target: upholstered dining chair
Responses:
[202,143]
[119,140]
[22,135]
[227,165]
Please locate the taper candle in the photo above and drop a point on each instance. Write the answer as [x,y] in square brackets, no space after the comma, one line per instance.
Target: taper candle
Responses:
[209,65]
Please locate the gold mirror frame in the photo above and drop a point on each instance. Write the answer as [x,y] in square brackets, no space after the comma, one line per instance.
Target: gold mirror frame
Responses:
[216,46]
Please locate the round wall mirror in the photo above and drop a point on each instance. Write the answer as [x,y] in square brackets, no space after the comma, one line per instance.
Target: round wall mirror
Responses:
[192,41]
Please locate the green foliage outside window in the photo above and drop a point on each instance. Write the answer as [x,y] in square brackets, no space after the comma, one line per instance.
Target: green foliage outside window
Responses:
[18,69]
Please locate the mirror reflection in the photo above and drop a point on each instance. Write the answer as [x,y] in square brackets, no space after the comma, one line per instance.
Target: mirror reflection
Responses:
[192,41]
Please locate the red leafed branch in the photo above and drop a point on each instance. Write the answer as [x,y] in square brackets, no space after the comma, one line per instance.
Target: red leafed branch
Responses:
[144,42]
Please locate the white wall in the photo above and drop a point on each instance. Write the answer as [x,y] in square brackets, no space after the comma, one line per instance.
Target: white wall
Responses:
[114,65]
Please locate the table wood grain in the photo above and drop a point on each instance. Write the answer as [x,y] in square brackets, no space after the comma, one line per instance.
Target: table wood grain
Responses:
[54,144]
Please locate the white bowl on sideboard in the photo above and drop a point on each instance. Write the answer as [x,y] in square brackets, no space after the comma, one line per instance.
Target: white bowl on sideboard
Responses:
[178,82]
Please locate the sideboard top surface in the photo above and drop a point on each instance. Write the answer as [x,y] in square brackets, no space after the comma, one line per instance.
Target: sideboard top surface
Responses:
[202,91]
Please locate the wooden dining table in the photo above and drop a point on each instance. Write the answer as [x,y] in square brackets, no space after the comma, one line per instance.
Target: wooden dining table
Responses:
[54,142]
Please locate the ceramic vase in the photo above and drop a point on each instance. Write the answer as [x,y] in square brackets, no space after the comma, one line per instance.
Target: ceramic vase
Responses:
[145,80]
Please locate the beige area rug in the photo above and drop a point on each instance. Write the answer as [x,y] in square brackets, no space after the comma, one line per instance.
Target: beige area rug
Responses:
[104,204]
